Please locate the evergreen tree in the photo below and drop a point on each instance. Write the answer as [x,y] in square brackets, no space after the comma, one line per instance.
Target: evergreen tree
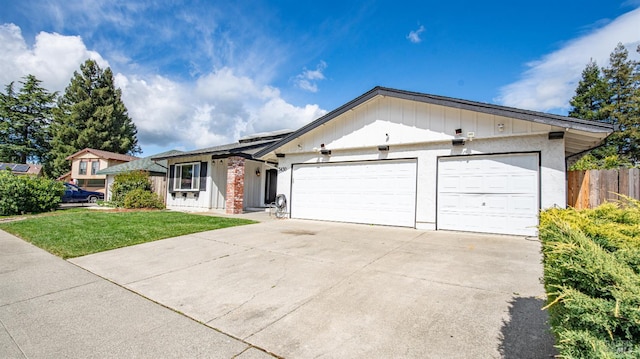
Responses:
[612,96]
[90,114]
[592,95]
[25,118]
[622,108]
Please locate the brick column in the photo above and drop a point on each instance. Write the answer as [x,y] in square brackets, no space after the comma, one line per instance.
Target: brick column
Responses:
[235,185]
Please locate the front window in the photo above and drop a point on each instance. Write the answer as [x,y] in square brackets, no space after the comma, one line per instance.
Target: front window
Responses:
[83,168]
[187,177]
[95,166]
[91,183]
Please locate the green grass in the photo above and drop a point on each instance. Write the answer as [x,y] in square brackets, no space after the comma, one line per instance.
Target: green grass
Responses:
[77,233]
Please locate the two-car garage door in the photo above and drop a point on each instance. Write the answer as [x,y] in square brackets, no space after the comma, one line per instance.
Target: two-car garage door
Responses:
[489,193]
[375,192]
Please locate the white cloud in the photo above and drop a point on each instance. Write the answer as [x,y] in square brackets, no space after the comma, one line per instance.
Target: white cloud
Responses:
[52,59]
[414,35]
[550,82]
[218,107]
[308,79]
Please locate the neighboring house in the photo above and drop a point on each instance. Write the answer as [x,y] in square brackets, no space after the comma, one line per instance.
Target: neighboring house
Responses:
[222,177]
[85,165]
[22,168]
[157,173]
[401,158]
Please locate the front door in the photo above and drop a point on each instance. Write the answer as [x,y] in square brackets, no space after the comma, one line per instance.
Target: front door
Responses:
[270,183]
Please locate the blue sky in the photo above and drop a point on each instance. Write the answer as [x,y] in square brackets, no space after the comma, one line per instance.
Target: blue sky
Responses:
[201,73]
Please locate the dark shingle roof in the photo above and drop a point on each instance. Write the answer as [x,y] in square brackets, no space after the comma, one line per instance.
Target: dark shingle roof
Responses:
[247,147]
[143,164]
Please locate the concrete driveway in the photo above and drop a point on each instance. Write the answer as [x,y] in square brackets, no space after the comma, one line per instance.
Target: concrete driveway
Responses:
[302,289]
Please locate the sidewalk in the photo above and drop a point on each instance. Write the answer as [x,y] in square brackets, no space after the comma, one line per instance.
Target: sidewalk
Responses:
[50,308]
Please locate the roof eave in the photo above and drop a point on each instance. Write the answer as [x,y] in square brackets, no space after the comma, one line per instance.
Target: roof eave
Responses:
[532,116]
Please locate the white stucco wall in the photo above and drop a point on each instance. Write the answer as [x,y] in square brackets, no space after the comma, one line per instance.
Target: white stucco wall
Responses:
[425,131]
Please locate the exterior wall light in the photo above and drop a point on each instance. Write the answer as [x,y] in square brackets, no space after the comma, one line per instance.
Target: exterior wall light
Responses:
[324,151]
[258,172]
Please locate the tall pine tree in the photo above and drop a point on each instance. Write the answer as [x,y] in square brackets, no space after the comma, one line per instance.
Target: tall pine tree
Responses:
[622,109]
[612,96]
[25,117]
[592,95]
[90,114]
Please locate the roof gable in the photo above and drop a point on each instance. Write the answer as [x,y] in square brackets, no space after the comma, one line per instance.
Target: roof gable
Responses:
[103,154]
[586,133]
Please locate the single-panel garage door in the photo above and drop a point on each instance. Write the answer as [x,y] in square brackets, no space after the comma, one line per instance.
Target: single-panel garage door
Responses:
[375,192]
[491,194]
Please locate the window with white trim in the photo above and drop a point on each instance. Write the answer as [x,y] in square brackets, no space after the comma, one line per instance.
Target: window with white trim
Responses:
[95,167]
[187,177]
[83,168]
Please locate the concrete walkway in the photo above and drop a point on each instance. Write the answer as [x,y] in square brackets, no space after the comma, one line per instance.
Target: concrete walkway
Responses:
[50,308]
[305,289]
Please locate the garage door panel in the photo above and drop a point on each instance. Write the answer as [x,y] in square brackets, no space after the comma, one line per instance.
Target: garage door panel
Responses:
[492,194]
[376,192]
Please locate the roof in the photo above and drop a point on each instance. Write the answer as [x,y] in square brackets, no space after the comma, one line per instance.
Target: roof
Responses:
[246,147]
[520,114]
[142,164]
[104,154]
[22,168]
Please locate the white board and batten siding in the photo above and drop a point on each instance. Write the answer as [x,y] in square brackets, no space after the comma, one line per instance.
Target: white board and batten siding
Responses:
[373,192]
[489,193]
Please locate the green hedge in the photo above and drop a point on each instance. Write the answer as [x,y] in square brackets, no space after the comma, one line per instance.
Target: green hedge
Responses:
[132,181]
[592,278]
[140,198]
[27,194]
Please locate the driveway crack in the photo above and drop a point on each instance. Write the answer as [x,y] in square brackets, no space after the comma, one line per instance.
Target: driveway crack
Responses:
[24,355]
[277,282]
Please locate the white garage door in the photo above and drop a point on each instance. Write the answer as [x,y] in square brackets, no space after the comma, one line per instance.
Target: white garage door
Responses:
[491,194]
[373,192]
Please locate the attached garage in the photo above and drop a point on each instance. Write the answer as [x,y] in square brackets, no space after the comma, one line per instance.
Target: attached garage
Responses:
[490,194]
[372,192]
[401,158]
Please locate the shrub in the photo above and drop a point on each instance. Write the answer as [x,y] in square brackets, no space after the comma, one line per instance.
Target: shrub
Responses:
[26,194]
[592,278]
[139,198]
[127,182]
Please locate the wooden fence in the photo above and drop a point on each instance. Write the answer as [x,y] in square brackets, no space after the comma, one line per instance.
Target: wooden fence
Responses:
[588,189]
[159,186]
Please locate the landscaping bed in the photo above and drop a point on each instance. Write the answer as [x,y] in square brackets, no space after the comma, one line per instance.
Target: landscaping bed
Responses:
[592,278]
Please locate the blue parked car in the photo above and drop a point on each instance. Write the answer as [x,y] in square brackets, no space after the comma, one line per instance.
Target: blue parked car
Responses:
[73,193]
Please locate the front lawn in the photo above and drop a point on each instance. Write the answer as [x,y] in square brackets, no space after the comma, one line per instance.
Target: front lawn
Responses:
[78,233]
